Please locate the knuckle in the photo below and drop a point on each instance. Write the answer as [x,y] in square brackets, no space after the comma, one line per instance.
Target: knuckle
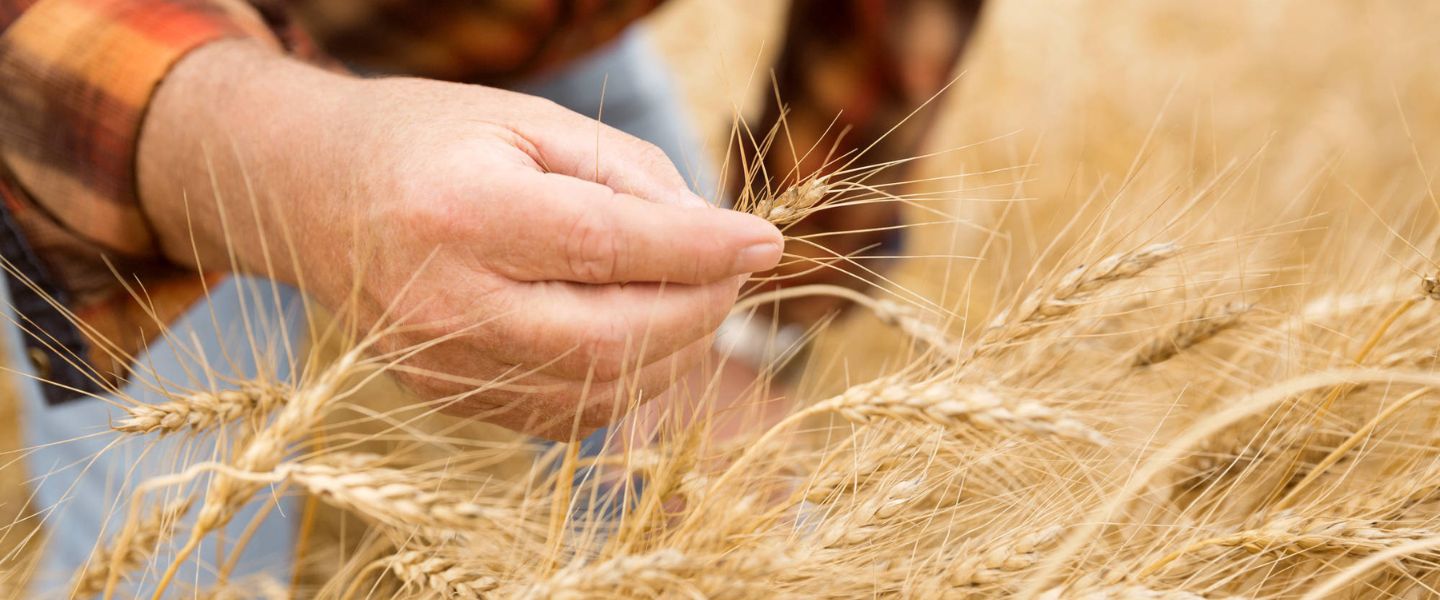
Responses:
[592,248]
[653,155]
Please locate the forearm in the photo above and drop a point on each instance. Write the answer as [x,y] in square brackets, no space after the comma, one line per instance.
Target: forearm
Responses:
[225,155]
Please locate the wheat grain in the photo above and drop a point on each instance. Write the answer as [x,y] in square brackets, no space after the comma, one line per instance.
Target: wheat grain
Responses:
[795,202]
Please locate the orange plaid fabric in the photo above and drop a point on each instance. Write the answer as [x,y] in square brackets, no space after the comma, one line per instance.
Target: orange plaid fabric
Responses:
[76,77]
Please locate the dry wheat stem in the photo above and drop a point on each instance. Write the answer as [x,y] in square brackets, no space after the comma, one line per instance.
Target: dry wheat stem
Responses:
[1340,451]
[201,411]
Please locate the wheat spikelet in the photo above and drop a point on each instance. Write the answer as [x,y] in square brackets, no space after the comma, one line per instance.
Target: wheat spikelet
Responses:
[794,203]
[952,405]
[134,546]
[1430,286]
[439,573]
[201,411]
[825,485]
[1189,333]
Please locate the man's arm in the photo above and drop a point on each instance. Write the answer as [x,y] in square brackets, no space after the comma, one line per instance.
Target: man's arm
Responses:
[533,239]
[492,220]
[75,81]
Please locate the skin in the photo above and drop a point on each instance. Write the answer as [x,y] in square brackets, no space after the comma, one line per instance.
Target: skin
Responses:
[483,216]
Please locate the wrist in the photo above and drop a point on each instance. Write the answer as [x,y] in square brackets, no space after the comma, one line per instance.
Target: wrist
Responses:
[224,152]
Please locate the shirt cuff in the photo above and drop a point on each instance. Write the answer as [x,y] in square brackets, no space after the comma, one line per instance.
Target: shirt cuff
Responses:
[78,75]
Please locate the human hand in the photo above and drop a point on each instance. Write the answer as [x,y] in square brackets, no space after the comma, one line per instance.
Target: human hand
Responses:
[534,240]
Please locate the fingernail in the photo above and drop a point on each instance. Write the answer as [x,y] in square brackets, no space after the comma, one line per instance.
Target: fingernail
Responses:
[760,257]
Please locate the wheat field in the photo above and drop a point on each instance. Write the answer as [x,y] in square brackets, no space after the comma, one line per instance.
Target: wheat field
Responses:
[1167,330]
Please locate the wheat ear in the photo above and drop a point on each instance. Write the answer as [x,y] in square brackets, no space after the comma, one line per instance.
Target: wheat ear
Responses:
[954,405]
[393,497]
[989,564]
[132,548]
[1190,333]
[439,574]
[201,411]
[225,494]
[1294,533]
[1080,285]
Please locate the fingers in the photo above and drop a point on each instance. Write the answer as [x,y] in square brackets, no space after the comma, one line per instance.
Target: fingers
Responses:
[562,228]
[605,331]
[575,145]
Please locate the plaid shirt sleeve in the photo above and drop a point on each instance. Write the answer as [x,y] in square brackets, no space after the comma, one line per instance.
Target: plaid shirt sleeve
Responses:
[75,78]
